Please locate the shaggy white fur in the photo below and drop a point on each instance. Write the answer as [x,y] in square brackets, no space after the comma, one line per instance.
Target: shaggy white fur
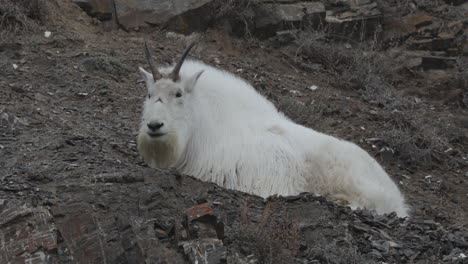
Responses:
[221,130]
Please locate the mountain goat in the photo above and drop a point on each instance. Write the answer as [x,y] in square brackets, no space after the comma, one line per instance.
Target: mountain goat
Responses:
[212,125]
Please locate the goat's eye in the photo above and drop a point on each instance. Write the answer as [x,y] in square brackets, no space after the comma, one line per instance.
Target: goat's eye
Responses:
[178,94]
[149,96]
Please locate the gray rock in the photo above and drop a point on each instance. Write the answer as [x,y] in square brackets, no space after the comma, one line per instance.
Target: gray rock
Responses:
[360,2]
[184,15]
[284,37]
[365,18]
[96,8]
[84,4]
[39,239]
[270,17]
[437,62]
[4,116]
[178,15]
[455,2]
[294,12]
[436,44]
[204,251]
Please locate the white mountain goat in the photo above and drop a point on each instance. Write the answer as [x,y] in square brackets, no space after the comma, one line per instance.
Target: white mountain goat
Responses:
[212,125]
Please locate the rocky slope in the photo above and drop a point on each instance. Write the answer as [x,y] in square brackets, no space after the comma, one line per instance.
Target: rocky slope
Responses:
[73,189]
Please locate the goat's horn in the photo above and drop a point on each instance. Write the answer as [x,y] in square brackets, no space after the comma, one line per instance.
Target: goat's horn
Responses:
[156,74]
[175,72]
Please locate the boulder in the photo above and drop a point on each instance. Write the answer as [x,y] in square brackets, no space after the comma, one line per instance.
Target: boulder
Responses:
[183,16]
[438,62]
[272,17]
[27,235]
[284,37]
[423,60]
[100,9]
[432,44]
[361,17]
[84,4]
[455,2]
[408,25]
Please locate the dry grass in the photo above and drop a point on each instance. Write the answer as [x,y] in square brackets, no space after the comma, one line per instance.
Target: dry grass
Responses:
[462,80]
[20,15]
[273,244]
[414,139]
[355,66]
[271,240]
[237,12]
[230,7]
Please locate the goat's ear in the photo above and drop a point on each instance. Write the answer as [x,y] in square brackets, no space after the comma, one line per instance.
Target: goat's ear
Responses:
[147,77]
[192,80]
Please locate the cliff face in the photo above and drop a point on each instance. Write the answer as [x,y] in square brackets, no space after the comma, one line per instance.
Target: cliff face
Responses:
[390,76]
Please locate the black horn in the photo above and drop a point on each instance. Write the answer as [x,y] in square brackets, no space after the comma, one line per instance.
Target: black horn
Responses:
[175,72]
[156,74]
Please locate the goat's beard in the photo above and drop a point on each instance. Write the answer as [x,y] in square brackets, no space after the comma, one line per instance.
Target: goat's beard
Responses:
[159,153]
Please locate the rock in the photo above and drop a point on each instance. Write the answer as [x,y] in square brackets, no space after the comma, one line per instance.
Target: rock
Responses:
[81,232]
[11,47]
[455,2]
[284,37]
[456,27]
[201,222]
[464,45]
[205,251]
[181,15]
[445,35]
[423,60]
[359,2]
[20,121]
[433,44]
[118,178]
[294,12]
[5,116]
[361,18]
[417,20]
[206,232]
[27,235]
[387,154]
[100,9]
[272,17]
[313,87]
[199,211]
[84,4]
[437,62]
[405,26]
[184,16]
[382,246]
[407,59]
[461,122]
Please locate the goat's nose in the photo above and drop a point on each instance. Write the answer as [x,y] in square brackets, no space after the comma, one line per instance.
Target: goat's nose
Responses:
[155,125]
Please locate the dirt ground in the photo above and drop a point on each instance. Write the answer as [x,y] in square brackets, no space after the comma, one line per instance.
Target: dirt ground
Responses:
[69,117]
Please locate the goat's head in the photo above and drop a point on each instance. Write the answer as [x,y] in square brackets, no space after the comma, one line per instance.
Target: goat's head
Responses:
[164,128]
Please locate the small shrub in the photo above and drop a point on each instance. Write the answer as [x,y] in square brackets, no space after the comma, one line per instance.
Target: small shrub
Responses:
[18,15]
[237,12]
[276,244]
[358,67]
[271,240]
[416,141]
[106,64]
